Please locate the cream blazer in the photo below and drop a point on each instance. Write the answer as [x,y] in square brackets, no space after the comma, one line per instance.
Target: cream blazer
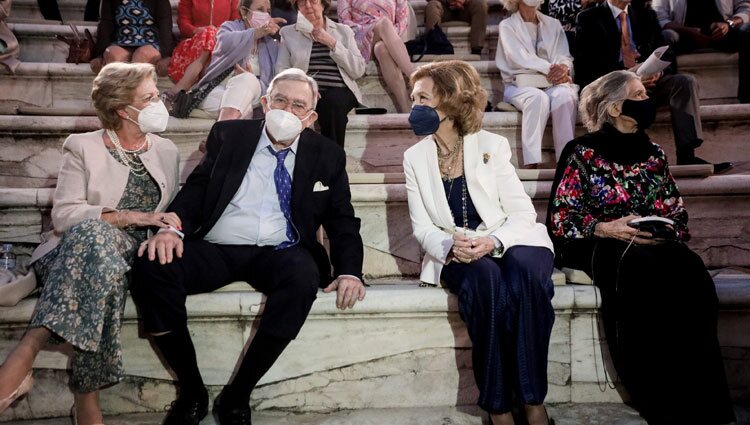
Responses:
[296,47]
[517,52]
[91,181]
[494,187]
[674,10]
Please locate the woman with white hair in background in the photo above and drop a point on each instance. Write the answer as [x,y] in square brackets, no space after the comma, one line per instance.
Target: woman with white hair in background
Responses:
[537,69]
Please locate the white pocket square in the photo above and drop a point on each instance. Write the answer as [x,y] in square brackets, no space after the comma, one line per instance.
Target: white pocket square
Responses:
[319,187]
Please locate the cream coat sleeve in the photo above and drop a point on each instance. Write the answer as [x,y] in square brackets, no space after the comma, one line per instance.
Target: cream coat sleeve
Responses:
[346,54]
[514,200]
[283,58]
[508,44]
[436,242]
[69,203]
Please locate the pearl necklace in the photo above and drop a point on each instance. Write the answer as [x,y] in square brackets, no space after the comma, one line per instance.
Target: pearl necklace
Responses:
[128,157]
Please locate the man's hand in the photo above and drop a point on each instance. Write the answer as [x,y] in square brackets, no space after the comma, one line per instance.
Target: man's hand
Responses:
[165,244]
[649,81]
[348,291]
[719,30]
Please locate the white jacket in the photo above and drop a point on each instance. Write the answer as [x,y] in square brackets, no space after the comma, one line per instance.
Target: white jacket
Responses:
[517,54]
[498,195]
[674,10]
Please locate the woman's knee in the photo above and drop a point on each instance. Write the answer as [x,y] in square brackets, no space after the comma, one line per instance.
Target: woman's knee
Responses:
[384,26]
[533,261]
[381,51]
[146,54]
[93,226]
[116,54]
[536,102]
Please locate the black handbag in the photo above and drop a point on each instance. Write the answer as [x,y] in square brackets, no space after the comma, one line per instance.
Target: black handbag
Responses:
[183,103]
[433,42]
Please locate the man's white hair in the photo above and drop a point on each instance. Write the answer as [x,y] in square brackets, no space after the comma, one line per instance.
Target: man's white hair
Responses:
[296,74]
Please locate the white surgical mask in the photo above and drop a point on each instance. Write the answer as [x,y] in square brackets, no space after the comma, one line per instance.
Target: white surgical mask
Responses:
[282,125]
[303,25]
[259,18]
[153,118]
[533,3]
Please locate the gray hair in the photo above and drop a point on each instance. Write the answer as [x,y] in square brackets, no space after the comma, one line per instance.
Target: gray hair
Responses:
[512,5]
[599,96]
[296,74]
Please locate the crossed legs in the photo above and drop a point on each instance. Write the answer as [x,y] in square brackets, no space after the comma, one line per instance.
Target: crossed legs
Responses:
[393,59]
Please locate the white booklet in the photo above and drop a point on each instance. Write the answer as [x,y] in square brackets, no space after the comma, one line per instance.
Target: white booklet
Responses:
[654,63]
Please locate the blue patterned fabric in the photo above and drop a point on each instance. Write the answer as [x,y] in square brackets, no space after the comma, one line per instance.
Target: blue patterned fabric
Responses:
[135,25]
[284,189]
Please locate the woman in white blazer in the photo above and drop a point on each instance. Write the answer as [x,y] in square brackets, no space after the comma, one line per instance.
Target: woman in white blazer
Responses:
[478,228]
[112,185]
[537,68]
[326,51]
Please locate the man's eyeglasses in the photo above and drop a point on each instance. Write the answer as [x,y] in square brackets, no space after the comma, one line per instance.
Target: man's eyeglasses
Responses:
[298,108]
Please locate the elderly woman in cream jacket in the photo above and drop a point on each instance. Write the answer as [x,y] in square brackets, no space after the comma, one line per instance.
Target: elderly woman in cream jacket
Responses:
[327,51]
[478,228]
[536,66]
[112,187]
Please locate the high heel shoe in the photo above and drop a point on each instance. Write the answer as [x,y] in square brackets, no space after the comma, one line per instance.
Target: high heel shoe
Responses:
[22,389]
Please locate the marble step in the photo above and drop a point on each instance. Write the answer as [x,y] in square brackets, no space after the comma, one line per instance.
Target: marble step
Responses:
[30,145]
[563,414]
[719,208]
[402,347]
[38,42]
[72,11]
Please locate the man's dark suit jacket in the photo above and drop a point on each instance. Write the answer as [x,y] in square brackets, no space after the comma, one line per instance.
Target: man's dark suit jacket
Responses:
[212,185]
[598,40]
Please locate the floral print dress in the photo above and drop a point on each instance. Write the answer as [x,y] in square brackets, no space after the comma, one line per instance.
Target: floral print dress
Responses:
[594,189]
[85,282]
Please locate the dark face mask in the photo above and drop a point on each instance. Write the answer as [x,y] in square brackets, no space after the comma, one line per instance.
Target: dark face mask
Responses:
[424,120]
[642,111]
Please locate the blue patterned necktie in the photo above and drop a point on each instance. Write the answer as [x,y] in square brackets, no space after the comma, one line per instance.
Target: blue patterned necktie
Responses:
[284,191]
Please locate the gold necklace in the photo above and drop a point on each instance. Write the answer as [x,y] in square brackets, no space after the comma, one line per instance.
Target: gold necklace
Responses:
[447,162]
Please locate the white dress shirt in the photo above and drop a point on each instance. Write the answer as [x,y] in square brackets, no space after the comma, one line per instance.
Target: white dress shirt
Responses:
[253,216]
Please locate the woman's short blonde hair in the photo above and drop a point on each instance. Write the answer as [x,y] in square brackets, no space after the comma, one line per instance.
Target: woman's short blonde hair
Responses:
[512,5]
[114,89]
[459,90]
[599,96]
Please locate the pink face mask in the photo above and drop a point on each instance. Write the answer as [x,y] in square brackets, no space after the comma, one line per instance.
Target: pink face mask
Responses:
[259,18]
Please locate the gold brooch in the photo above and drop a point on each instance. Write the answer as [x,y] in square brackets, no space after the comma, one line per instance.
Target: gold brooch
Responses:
[486,157]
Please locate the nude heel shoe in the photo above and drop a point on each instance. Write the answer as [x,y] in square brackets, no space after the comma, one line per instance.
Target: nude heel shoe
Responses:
[22,389]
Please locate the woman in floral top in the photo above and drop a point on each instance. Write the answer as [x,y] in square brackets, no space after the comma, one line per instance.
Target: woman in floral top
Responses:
[659,303]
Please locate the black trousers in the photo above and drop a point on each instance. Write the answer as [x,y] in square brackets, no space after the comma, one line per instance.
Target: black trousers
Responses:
[333,107]
[289,278]
[506,305]
[680,93]
[660,313]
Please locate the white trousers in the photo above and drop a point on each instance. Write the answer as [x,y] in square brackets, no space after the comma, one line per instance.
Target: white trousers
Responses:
[240,92]
[561,102]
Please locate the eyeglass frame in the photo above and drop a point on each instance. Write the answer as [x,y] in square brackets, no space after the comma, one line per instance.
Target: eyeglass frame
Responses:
[272,105]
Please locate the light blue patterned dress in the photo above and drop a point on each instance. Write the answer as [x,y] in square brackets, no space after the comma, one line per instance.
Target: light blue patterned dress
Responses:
[85,282]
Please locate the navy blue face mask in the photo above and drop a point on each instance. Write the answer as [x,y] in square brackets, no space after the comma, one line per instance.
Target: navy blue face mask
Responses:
[424,120]
[642,111]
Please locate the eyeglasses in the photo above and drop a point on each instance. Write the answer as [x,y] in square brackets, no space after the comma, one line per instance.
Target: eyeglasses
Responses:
[280,102]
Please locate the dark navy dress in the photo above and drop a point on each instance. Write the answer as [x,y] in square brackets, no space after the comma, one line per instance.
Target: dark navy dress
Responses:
[506,305]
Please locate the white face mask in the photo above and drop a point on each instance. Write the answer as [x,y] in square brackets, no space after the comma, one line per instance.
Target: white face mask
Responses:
[533,3]
[283,126]
[303,25]
[153,118]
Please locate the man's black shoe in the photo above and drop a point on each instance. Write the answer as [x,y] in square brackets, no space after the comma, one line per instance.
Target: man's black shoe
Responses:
[187,410]
[718,167]
[231,415]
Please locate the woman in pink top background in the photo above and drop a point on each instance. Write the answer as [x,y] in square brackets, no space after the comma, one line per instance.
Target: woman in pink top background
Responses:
[378,26]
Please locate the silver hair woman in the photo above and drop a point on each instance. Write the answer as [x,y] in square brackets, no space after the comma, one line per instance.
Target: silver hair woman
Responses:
[657,296]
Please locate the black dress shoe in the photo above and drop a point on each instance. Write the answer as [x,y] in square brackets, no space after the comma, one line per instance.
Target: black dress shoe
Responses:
[231,415]
[720,167]
[187,411]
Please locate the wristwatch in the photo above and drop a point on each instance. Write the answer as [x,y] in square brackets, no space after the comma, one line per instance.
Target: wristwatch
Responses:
[730,22]
[499,247]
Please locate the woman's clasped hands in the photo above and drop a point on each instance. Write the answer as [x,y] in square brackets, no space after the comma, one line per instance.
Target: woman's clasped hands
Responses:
[467,249]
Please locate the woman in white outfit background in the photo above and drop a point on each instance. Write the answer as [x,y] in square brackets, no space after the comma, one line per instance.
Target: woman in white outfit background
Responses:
[537,71]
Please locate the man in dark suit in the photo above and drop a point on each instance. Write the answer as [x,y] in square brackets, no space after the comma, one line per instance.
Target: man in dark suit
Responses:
[245,218]
[603,47]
